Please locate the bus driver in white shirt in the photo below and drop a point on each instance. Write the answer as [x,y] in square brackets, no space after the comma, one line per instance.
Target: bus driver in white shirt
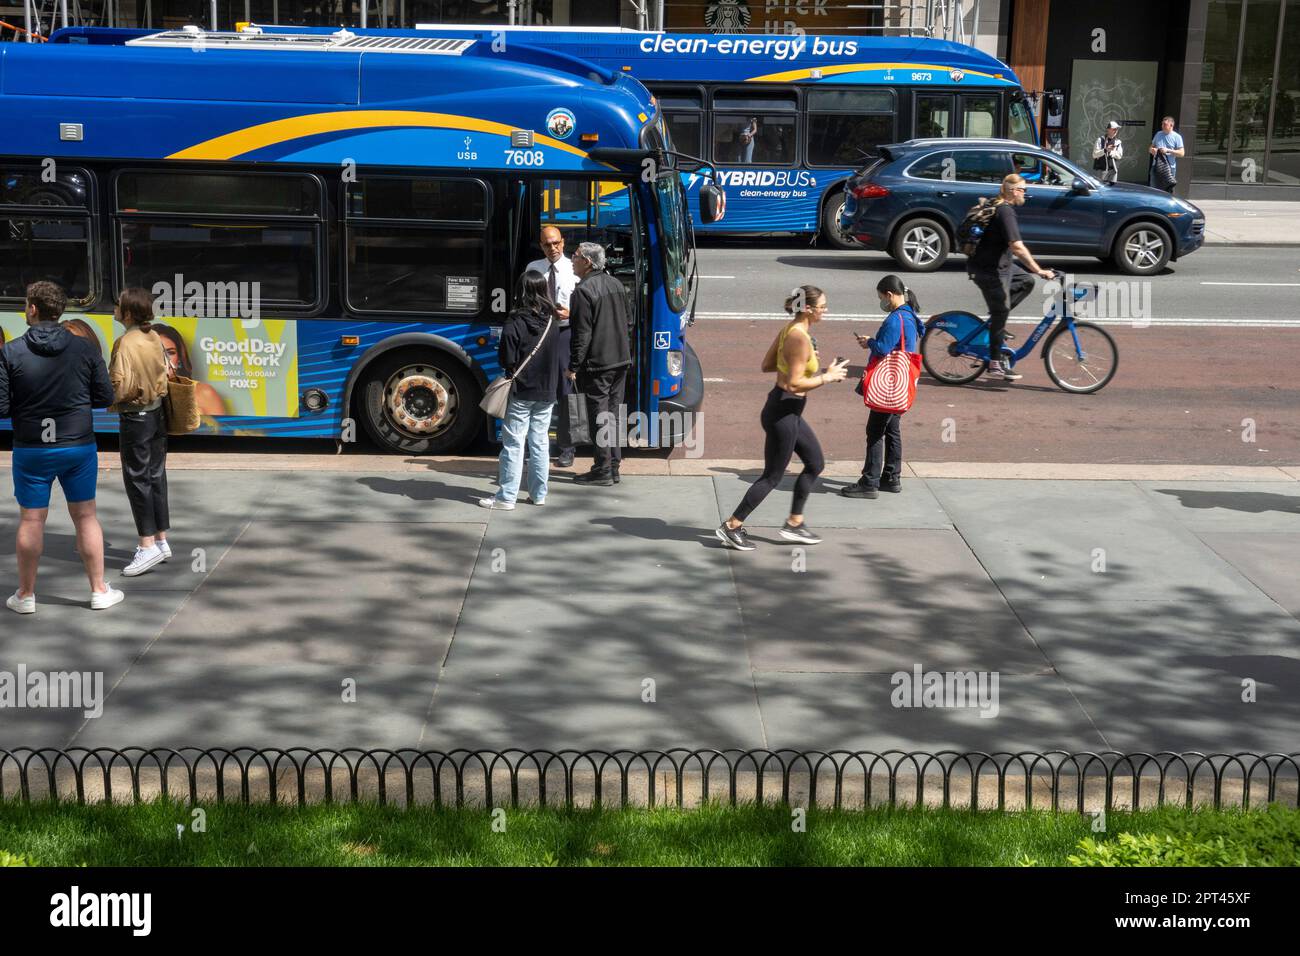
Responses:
[560,282]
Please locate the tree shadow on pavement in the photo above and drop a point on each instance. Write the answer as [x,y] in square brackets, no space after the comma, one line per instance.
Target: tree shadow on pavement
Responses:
[1249,502]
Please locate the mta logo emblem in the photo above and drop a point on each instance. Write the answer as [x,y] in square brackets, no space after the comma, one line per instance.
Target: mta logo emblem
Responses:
[727,16]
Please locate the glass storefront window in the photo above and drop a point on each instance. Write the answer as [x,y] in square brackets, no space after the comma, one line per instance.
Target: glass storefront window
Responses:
[1218,72]
[1284,148]
[1254,92]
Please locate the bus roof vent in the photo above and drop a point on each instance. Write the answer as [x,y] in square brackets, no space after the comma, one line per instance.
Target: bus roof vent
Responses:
[342,40]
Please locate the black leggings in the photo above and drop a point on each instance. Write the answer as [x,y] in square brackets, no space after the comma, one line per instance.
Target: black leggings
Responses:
[787,434]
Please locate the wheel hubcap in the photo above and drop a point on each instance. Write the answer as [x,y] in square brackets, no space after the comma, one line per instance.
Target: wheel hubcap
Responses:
[419,400]
[921,246]
[1144,249]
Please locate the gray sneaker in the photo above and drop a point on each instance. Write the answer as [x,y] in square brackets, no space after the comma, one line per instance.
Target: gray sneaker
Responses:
[799,533]
[733,537]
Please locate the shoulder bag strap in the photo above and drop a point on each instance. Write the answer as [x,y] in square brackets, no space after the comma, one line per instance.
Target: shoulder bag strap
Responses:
[540,340]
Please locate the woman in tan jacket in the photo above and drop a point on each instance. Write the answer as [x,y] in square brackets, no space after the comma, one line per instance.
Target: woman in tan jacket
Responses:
[138,371]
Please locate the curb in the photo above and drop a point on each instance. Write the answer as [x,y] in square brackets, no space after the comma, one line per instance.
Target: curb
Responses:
[714,467]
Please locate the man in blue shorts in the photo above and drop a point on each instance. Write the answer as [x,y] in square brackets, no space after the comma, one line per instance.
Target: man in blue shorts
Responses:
[50,380]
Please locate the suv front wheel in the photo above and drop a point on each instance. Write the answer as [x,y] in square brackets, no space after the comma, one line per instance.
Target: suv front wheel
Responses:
[1142,249]
[920,245]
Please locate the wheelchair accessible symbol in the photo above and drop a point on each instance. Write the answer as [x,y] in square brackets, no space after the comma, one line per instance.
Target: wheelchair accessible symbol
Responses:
[662,340]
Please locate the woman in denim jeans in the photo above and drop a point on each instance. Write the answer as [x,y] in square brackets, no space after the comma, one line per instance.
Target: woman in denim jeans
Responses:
[532,396]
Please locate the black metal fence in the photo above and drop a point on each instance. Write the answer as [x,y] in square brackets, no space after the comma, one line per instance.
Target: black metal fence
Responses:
[1054,780]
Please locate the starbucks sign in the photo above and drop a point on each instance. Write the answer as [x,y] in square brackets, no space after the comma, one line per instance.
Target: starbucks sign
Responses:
[727,16]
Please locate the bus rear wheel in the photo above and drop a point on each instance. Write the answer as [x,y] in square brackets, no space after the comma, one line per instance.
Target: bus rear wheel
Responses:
[420,403]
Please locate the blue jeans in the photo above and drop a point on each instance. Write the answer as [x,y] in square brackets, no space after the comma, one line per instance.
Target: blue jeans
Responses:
[525,420]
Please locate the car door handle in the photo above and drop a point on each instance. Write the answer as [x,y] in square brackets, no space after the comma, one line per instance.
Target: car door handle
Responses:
[945,195]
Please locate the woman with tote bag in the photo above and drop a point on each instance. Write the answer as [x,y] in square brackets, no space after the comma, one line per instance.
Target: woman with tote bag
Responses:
[138,371]
[527,355]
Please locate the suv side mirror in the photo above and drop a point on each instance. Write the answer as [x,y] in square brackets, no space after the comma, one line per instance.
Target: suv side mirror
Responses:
[1080,186]
[713,203]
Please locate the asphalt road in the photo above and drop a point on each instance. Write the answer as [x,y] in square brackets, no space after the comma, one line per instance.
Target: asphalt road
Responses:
[1214,358]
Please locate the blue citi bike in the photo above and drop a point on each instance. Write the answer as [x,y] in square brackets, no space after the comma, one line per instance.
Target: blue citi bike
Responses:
[1080,357]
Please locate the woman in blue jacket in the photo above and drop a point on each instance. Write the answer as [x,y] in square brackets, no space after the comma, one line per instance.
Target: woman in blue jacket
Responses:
[883,470]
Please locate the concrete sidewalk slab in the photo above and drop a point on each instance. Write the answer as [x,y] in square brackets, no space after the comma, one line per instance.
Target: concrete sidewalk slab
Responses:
[855,712]
[593,596]
[1249,222]
[1268,560]
[913,507]
[885,600]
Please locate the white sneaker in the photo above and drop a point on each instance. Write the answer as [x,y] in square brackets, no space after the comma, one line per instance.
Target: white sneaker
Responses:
[19,605]
[102,602]
[145,558]
[496,504]
[166,549]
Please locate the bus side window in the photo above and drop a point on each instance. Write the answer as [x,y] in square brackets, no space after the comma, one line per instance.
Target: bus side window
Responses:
[45,233]
[754,128]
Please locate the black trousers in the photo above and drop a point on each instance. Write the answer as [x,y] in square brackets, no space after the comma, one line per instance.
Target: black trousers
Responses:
[604,392]
[143,446]
[884,464]
[786,435]
[1003,291]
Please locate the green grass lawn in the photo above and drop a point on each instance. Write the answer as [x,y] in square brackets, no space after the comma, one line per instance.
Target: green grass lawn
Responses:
[54,834]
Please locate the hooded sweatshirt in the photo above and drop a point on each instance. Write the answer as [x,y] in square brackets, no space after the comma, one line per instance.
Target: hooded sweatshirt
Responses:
[51,375]
[541,376]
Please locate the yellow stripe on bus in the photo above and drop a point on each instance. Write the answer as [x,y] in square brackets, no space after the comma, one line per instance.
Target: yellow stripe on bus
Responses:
[790,76]
[258,137]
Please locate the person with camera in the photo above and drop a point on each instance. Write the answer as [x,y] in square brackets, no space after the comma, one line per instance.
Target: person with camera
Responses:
[1107,152]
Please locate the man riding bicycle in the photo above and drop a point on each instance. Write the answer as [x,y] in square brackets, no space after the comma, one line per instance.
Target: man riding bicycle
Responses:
[996,267]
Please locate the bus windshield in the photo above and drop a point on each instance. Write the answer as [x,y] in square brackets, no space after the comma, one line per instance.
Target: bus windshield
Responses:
[674,221]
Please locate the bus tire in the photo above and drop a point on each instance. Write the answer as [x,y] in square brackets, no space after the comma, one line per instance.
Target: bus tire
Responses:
[836,237]
[420,402]
[920,245]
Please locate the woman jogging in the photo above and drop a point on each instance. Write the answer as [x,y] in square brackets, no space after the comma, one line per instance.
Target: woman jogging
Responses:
[793,356]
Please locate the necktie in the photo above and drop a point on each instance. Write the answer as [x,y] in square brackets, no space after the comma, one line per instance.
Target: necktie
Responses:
[550,281]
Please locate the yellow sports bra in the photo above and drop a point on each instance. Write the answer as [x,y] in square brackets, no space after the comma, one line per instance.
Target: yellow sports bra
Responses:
[783,366]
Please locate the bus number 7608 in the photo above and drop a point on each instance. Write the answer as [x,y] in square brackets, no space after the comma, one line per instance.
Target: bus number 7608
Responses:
[524,157]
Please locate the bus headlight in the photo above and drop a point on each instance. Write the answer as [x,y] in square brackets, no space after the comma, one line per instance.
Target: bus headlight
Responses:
[675,364]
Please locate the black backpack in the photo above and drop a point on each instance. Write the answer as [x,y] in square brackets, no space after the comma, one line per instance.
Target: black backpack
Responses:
[977,219]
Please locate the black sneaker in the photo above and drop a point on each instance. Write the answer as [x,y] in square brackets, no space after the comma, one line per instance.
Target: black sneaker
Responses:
[733,537]
[799,533]
[602,478]
[859,490]
[892,487]
[565,460]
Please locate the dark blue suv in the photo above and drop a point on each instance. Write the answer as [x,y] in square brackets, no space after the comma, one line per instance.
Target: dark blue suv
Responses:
[910,201]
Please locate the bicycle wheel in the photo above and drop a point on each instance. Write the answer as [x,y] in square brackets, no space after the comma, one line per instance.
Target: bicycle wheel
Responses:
[1081,374]
[945,367]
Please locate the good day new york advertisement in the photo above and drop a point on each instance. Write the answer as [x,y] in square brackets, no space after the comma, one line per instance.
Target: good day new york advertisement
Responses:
[242,367]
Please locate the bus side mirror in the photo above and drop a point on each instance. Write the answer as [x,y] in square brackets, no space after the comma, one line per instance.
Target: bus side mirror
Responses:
[713,203]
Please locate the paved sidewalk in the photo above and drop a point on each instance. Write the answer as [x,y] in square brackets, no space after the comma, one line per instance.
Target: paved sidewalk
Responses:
[1250,222]
[540,628]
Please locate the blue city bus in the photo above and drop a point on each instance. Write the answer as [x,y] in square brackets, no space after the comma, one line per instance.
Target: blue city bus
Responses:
[335,224]
[787,119]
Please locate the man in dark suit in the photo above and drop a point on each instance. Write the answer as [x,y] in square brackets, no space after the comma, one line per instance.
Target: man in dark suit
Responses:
[599,356]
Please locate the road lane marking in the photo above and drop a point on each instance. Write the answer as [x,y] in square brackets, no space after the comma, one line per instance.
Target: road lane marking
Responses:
[715,277]
[1246,323]
[1289,285]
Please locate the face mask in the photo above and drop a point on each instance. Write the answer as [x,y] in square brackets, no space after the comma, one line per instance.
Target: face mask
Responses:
[885,306]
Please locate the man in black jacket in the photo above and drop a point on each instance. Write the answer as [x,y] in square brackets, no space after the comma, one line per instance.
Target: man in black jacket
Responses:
[50,380]
[599,356]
